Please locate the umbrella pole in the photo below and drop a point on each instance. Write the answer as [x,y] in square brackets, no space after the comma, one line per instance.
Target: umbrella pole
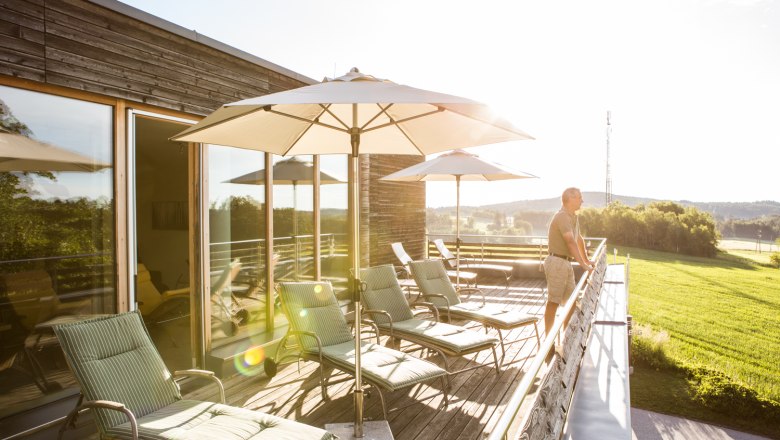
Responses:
[355,166]
[457,231]
[295,229]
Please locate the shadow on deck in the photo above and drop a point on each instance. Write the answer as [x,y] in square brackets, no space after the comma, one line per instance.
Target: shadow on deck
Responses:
[477,397]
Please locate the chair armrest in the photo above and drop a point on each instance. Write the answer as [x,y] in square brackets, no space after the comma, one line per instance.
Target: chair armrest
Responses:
[386,315]
[432,308]
[439,295]
[472,290]
[373,326]
[115,406]
[204,374]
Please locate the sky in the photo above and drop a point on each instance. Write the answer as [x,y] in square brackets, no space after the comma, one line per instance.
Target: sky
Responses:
[693,87]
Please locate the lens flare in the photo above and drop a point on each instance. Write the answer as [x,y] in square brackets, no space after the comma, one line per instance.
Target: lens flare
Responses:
[303,313]
[250,362]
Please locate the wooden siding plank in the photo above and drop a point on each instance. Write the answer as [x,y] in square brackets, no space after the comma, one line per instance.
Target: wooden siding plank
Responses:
[18,31]
[165,44]
[18,70]
[20,45]
[22,59]
[16,12]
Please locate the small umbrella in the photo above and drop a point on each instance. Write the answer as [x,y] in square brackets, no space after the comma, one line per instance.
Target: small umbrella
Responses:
[21,153]
[353,114]
[290,171]
[457,165]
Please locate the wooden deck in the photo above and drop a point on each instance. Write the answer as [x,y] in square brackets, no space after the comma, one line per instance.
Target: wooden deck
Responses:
[477,397]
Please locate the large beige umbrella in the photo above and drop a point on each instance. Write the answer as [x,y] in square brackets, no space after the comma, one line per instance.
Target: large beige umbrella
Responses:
[21,153]
[353,114]
[457,165]
[292,171]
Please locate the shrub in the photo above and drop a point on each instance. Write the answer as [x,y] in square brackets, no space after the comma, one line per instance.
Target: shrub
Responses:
[718,392]
[774,259]
[647,348]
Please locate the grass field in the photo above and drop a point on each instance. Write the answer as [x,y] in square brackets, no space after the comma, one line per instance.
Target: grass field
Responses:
[720,313]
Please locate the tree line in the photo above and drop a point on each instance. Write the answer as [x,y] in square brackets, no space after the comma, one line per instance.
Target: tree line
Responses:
[663,226]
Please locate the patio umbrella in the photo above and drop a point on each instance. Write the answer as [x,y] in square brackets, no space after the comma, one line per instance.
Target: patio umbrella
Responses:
[457,165]
[353,114]
[21,153]
[290,171]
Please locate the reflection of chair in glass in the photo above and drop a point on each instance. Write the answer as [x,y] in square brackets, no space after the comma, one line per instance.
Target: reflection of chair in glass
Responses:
[436,287]
[31,305]
[470,278]
[471,264]
[386,305]
[133,394]
[323,336]
[157,307]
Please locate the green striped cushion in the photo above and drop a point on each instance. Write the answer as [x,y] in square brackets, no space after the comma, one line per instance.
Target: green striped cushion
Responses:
[431,277]
[113,358]
[492,316]
[439,334]
[391,369]
[383,293]
[312,306]
[189,419]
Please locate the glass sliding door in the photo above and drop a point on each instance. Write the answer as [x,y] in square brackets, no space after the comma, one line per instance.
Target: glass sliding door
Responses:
[162,236]
[237,245]
[57,245]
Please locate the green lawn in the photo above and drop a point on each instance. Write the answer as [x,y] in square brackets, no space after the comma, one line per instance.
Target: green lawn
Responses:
[721,313]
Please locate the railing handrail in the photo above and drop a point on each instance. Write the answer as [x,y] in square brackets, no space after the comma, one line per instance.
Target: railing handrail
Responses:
[59,257]
[513,406]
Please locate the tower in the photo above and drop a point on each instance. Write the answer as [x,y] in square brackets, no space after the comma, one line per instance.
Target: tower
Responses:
[608,190]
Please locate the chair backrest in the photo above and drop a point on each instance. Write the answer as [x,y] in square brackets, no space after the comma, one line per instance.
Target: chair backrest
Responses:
[113,358]
[400,253]
[384,293]
[431,277]
[445,253]
[311,306]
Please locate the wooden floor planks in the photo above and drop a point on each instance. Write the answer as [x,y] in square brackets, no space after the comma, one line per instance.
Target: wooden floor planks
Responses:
[477,397]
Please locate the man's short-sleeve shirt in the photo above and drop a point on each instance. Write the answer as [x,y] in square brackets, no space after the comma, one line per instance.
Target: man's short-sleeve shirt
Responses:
[561,223]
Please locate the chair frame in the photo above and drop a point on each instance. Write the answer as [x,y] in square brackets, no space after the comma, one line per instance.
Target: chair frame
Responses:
[484,322]
[451,262]
[299,352]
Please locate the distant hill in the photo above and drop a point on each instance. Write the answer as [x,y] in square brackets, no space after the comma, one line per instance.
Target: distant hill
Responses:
[719,210]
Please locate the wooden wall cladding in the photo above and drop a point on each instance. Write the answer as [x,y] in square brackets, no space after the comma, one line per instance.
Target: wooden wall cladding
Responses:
[83,46]
[395,211]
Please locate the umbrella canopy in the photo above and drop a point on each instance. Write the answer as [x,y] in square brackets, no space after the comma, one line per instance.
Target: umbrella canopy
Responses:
[290,171]
[20,153]
[457,165]
[353,114]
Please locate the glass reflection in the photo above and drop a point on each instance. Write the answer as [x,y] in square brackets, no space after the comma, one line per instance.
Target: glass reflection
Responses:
[56,235]
[334,239]
[237,243]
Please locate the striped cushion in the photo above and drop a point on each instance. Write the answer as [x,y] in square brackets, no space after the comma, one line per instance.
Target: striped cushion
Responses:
[312,307]
[189,419]
[431,277]
[492,316]
[390,369]
[383,293]
[113,358]
[438,334]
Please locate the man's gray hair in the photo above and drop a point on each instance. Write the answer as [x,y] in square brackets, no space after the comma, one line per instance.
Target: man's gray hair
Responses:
[569,193]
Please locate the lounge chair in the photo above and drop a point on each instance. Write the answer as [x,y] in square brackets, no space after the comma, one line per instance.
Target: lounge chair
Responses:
[323,336]
[388,308]
[471,264]
[124,380]
[435,287]
[470,278]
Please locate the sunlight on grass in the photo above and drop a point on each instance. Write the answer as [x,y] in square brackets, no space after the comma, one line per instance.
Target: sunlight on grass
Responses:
[719,313]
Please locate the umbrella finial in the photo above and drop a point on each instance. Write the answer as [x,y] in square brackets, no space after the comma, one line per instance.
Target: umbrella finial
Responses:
[354,70]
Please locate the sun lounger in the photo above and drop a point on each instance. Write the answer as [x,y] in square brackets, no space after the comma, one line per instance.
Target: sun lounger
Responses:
[471,264]
[436,287]
[470,278]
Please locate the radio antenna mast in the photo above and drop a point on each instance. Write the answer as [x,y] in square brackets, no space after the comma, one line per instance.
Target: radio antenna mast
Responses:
[608,191]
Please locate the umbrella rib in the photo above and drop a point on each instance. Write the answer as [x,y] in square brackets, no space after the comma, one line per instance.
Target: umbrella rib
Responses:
[309,121]
[304,131]
[382,110]
[197,130]
[327,109]
[401,121]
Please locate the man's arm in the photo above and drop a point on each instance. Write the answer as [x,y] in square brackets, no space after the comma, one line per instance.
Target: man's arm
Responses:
[577,249]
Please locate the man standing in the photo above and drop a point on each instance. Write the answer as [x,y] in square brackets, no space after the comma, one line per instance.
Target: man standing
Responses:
[564,245]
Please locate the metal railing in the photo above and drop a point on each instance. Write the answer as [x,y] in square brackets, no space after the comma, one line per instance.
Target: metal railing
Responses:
[509,418]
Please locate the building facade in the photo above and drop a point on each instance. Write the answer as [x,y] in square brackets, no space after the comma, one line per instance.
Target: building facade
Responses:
[115,217]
